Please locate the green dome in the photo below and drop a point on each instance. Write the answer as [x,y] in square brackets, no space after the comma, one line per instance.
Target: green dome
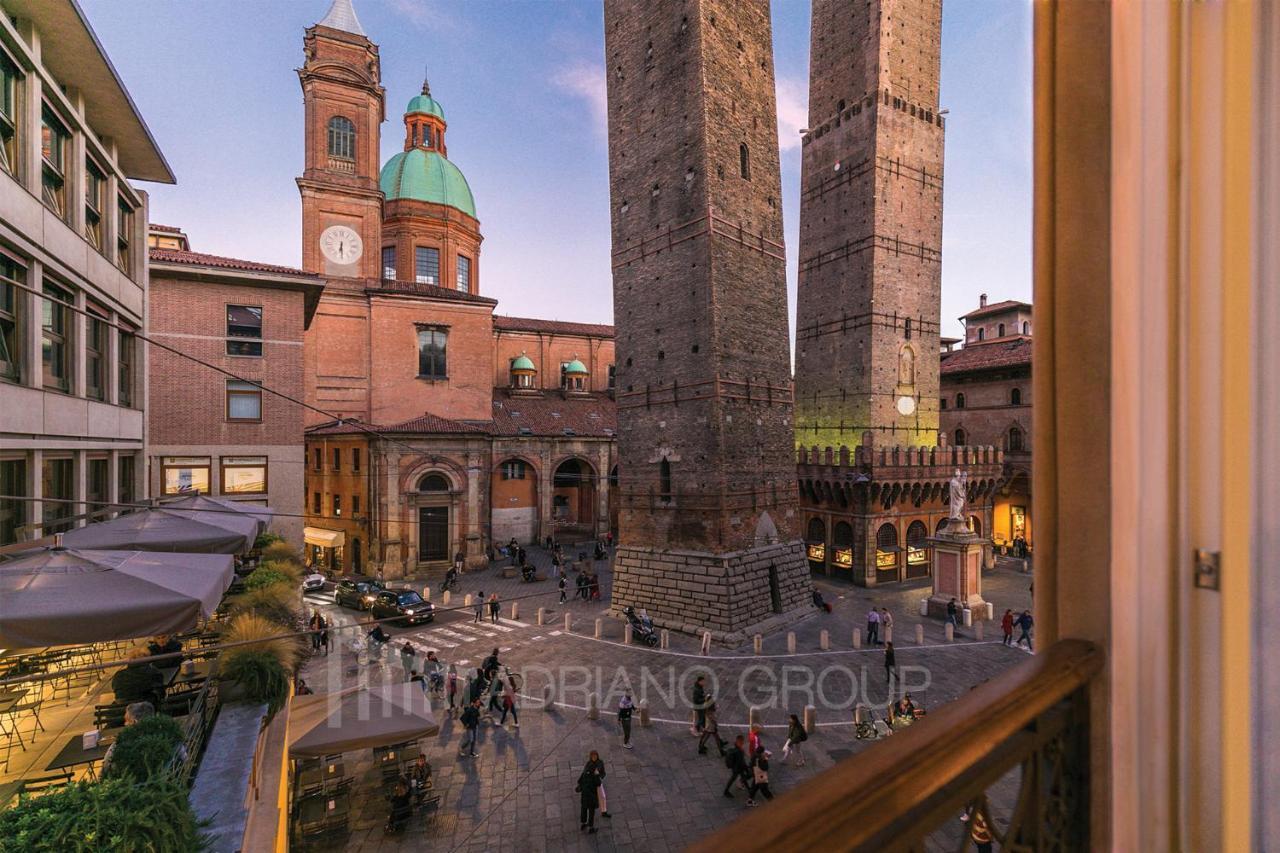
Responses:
[422,175]
[575,366]
[425,104]
[522,363]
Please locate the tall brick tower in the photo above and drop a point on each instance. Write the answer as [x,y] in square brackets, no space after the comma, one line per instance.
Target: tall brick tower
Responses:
[871,226]
[708,525]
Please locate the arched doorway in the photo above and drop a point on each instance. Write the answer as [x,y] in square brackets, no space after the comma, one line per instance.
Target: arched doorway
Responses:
[888,553]
[816,545]
[573,498]
[434,522]
[842,548]
[513,502]
[917,550]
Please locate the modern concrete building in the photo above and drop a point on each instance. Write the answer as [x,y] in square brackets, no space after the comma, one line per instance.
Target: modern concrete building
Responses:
[73,272]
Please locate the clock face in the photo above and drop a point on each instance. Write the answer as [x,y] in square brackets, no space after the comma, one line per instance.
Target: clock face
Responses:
[341,244]
[906,405]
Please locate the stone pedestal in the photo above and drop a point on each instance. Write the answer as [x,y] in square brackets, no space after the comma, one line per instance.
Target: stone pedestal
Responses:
[957,570]
[474,555]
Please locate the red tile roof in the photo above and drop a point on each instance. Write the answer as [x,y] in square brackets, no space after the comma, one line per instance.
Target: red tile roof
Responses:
[349,426]
[430,291]
[200,259]
[592,415]
[429,423]
[1013,352]
[997,308]
[553,327]
[171,229]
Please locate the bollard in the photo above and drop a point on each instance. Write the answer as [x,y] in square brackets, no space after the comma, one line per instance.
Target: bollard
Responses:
[644,715]
[857,638]
[888,634]
[626,634]
[568,623]
[593,707]
[758,642]
[599,628]
[466,600]
[859,713]
[753,716]
[542,616]
[824,640]
[791,642]
[706,642]
[547,693]
[445,598]
[951,632]
[810,718]
[666,638]
[515,610]
[978,631]
[919,635]
[426,592]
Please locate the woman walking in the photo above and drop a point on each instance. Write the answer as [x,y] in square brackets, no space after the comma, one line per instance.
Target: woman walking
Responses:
[796,735]
[494,607]
[588,788]
[760,776]
[479,606]
[596,765]
[509,703]
[1006,626]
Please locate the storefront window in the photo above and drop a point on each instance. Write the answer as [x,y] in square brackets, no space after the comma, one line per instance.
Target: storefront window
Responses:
[186,475]
[244,475]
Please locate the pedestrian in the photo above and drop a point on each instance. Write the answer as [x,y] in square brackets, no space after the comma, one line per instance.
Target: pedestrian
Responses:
[596,765]
[625,707]
[589,788]
[739,770]
[316,624]
[451,685]
[479,605]
[754,739]
[886,624]
[581,584]
[1006,625]
[595,587]
[979,831]
[408,658]
[699,705]
[608,539]
[555,565]
[457,562]
[710,729]
[523,555]
[796,735]
[494,607]
[496,690]
[471,728]
[1024,623]
[419,679]
[873,627]
[760,776]
[891,666]
[513,550]
[952,610]
[509,703]
[563,587]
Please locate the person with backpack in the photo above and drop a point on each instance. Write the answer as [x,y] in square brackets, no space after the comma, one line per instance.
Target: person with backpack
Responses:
[1024,622]
[760,776]
[1006,625]
[710,729]
[739,770]
[625,707]
[796,735]
[471,728]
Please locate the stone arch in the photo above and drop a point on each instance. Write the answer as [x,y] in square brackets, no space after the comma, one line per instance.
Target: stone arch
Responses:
[573,493]
[513,499]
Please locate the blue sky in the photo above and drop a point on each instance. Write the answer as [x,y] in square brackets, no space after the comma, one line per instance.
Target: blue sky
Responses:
[522,85]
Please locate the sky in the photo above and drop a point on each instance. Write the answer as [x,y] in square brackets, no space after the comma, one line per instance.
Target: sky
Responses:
[523,88]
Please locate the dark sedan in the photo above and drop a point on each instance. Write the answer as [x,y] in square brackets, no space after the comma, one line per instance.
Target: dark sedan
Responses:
[411,608]
[356,592]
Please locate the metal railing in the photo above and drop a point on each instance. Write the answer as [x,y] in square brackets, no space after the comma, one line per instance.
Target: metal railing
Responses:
[1010,758]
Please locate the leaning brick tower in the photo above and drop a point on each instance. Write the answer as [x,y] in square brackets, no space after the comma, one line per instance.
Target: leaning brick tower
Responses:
[708,525]
[871,227]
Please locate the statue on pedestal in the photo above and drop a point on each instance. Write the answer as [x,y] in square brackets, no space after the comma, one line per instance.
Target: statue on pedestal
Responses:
[959,495]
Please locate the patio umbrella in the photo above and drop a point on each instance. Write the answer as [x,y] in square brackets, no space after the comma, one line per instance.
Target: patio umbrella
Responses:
[359,717]
[60,596]
[261,514]
[163,529]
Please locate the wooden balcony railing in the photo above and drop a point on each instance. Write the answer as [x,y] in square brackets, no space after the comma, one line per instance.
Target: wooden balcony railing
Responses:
[1012,754]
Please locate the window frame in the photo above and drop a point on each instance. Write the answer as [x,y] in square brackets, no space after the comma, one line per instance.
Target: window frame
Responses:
[53,515]
[126,492]
[744,161]
[126,371]
[95,193]
[462,276]
[340,141]
[421,253]
[236,341]
[58,305]
[355,460]
[13,330]
[124,234]
[97,499]
[355,505]
[335,505]
[167,465]
[514,469]
[337,460]
[425,360]
[97,358]
[317,459]
[55,139]
[389,270]
[316,503]
[229,463]
[11,76]
[243,392]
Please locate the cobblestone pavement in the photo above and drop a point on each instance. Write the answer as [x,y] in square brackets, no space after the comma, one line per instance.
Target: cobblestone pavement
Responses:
[518,792]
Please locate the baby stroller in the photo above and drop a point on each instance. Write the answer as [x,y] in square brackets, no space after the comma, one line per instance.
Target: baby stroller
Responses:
[641,626]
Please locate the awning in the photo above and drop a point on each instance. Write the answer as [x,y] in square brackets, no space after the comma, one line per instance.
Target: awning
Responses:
[323,538]
[175,530]
[359,717]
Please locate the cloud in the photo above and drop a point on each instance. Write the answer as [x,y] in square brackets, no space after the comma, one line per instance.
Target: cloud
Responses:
[585,80]
[793,110]
[425,17]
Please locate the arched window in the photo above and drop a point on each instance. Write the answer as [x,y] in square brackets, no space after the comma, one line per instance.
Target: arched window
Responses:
[960,438]
[433,483]
[744,161]
[1015,397]
[664,480]
[1015,439]
[342,138]
[959,401]
[817,530]
[1000,331]
[981,332]
[887,538]
[1026,327]
[906,366]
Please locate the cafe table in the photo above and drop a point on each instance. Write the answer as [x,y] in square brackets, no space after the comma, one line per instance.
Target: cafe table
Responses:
[73,754]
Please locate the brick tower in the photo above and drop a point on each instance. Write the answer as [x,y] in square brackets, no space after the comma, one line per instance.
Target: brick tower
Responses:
[708,525]
[871,227]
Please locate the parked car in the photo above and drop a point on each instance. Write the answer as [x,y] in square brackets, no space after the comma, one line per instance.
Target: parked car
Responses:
[357,592]
[313,582]
[405,603]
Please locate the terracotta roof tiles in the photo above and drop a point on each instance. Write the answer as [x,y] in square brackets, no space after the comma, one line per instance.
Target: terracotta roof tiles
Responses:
[200,259]
[553,327]
[996,308]
[1013,352]
[592,415]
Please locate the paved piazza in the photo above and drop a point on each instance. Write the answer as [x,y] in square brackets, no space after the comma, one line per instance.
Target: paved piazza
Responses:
[518,793]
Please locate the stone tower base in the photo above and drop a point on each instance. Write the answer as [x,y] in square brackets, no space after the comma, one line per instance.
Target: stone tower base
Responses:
[730,595]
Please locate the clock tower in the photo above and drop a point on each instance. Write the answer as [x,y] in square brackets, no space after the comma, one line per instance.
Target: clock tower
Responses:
[344,102]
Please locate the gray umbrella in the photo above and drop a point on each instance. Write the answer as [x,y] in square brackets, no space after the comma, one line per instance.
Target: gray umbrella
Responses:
[186,531]
[262,514]
[60,596]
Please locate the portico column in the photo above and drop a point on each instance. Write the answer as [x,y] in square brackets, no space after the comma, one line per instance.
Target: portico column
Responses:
[602,491]
[545,479]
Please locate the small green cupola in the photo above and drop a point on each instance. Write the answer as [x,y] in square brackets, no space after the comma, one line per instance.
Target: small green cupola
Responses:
[574,376]
[523,372]
[423,172]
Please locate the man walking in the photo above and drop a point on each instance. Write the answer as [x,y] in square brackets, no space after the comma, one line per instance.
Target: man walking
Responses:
[1025,622]
[710,729]
[471,728]
[891,666]
[317,628]
[479,606]
[625,707]
[873,627]
[563,588]
[408,659]
[739,769]
[699,705]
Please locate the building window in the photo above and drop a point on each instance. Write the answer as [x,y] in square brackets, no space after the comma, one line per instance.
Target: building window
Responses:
[960,438]
[433,483]
[355,504]
[337,459]
[1015,397]
[1015,439]
[513,470]
[244,475]
[432,350]
[55,346]
[355,555]
[906,329]
[125,344]
[96,487]
[11,337]
[342,138]
[53,160]
[664,481]
[1026,328]
[981,332]
[744,161]
[59,485]
[124,234]
[244,330]
[244,401]
[1000,331]
[959,401]
[13,511]
[613,374]
[389,262]
[943,403]
[124,480]
[10,85]
[464,273]
[337,506]
[315,503]
[97,344]
[95,189]
[426,265]
[185,475]
[315,459]
[355,459]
